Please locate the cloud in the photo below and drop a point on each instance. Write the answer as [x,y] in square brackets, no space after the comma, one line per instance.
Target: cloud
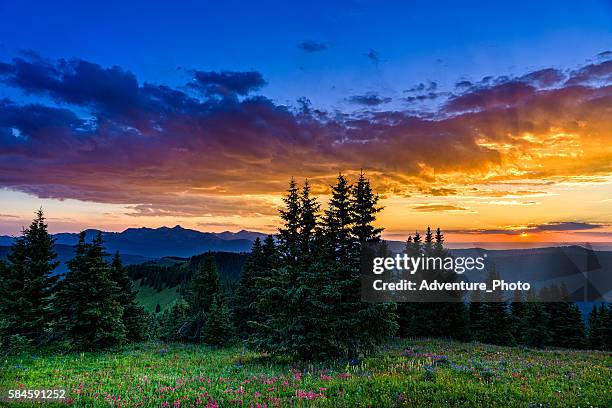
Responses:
[226,83]
[310,46]
[425,97]
[430,86]
[98,134]
[373,56]
[601,72]
[463,84]
[559,226]
[438,208]
[498,96]
[202,206]
[368,99]
[564,226]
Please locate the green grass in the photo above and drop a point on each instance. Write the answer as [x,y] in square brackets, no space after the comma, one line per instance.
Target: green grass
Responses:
[408,373]
[149,297]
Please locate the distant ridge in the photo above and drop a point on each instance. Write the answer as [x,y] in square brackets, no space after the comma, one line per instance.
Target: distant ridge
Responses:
[162,241]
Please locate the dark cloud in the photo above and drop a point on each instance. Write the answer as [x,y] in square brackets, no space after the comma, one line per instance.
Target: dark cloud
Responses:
[425,97]
[463,84]
[561,226]
[498,96]
[33,118]
[373,56]
[311,46]
[226,83]
[601,72]
[604,55]
[543,78]
[430,86]
[369,99]
[565,226]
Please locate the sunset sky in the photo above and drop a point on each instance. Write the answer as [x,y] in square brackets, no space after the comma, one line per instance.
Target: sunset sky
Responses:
[493,122]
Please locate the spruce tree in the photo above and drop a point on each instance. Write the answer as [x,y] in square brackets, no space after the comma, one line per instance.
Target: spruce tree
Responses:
[308,220]
[218,329]
[517,312]
[415,318]
[439,240]
[289,233]
[364,209]
[534,323]
[600,327]
[428,244]
[173,320]
[205,287]
[134,316]
[475,314]
[246,294]
[266,329]
[376,322]
[27,284]
[12,293]
[496,320]
[448,318]
[565,324]
[89,314]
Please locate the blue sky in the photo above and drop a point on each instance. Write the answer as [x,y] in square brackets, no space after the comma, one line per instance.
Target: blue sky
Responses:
[414,41]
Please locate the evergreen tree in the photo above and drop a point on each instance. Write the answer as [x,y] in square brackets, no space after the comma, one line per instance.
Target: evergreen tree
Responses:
[439,240]
[219,329]
[517,312]
[455,322]
[89,314]
[205,288]
[27,284]
[417,245]
[376,322]
[309,209]
[600,334]
[269,314]
[12,295]
[534,323]
[565,324]
[496,319]
[428,244]
[247,294]
[289,233]
[172,321]
[475,313]
[338,225]
[364,209]
[415,318]
[134,316]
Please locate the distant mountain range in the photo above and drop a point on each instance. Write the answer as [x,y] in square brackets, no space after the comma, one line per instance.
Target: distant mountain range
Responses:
[163,241]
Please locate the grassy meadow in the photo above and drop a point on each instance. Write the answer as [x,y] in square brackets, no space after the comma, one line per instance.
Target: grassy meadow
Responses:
[407,373]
